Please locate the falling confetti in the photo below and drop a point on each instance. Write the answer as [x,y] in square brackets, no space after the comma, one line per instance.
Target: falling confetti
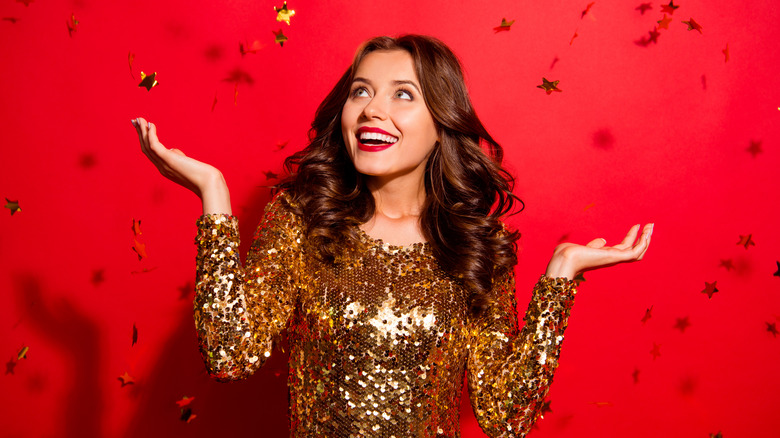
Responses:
[136,227]
[726,263]
[682,324]
[716,435]
[98,277]
[548,86]
[253,48]
[648,315]
[754,148]
[126,379]
[73,24]
[710,289]
[726,53]
[670,8]
[11,20]
[571,41]
[148,81]
[777,274]
[771,327]
[130,59]
[281,145]
[746,241]
[504,26]
[279,38]
[663,23]
[22,353]
[139,248]
[656,351]
[635,375]
[12,205]
[187,415]
[693,25]
[24,2]
[603,404]
[545,408]
[653,38]
[143,271]
[642,8]
[135,335]
[184,401]
[703,82]
[554,61]
[214,103]
[587,9]
[270,175]
[9,366]
[284,14]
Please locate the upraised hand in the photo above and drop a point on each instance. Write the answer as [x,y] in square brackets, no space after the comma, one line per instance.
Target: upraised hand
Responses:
[203,179]
[569,259]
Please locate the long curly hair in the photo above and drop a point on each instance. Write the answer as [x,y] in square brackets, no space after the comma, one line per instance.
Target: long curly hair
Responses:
[467,189]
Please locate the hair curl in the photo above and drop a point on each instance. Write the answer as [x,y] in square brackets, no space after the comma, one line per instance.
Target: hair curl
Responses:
[467,189]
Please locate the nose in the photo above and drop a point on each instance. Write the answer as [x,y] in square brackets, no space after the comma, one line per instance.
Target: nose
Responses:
[375,109]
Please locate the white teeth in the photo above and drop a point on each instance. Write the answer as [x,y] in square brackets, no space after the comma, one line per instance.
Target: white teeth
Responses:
[378,136]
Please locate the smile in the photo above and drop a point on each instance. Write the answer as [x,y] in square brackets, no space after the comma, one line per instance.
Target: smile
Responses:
[374,139]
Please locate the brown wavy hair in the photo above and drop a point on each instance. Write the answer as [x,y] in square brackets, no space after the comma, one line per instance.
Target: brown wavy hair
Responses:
[467,189]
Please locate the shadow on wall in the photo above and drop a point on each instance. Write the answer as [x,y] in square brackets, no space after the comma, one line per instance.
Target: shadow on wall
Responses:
[77,339]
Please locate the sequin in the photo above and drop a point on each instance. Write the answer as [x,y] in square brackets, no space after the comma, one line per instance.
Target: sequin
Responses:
[379,340]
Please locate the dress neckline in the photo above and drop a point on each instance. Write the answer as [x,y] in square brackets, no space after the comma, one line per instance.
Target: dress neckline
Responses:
[379,243]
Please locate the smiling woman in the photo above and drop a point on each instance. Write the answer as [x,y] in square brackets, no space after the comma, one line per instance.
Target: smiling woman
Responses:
[386,258]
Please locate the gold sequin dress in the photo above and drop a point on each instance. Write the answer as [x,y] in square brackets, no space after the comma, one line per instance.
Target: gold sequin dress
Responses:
[380,340]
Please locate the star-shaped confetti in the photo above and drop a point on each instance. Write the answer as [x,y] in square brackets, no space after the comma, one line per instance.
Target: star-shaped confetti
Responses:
[126,379]
[281,145]
[548,86]
[726,263]
[663,23]
[656,351]
[9,366]
[73,24]
[184,401]
[682,324]
[284,14]
[136,227]
[648,315]
[571,41]
[130,59]
[98,277]
[653,38]
[710,288]
[253,48]
[135,335]
[504,26]
[777,274]
[545,408]
[579,278]
[270,175]
[635,375]
[669,8]
[754,148]
[186,290]
[642,8]
[148,81]
[187,415]
[587,9]
[693,25]
[746,241]
[279,37]
[716,435]
[139,248]
[771,327]
[12,205]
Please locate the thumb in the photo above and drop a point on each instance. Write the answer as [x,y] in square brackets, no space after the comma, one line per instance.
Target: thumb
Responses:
[597,243]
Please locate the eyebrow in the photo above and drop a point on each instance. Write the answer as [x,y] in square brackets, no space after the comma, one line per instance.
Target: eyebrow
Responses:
[395,83]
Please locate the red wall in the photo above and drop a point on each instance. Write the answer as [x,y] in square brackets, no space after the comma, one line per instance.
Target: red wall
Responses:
[656,133]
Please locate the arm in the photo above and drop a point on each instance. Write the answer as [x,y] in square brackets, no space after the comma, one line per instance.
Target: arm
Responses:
[240,311]
[510,372]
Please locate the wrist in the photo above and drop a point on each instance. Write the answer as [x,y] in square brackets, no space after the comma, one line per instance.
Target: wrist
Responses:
[215,195]
[560,267]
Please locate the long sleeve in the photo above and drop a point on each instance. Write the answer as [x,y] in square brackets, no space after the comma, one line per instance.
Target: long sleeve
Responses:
[510,371]
[238,311]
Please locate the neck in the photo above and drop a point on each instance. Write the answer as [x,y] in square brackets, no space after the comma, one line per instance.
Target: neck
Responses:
[398,197]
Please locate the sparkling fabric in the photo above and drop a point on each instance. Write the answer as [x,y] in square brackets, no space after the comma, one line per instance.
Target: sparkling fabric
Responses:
[380,340]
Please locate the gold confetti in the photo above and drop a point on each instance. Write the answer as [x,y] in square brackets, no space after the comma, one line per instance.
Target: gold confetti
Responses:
[284,14]
[148,81]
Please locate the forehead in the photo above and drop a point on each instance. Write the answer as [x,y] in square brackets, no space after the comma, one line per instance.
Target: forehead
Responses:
[391,65]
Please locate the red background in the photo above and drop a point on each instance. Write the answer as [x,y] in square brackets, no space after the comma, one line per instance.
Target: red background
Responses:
[638,134]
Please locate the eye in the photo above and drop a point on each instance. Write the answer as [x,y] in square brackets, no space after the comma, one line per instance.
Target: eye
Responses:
[359,92]
[403,94]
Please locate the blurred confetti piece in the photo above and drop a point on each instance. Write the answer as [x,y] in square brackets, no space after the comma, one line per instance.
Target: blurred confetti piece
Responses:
[135,335]
[663,23]
[504,26]
[648,315]
[130,59]
[656,351]
[22,354]
[602,404]
[136,228]
[139,248]
[710,289]
[587,9]
[126,379]
[693,25]
[24,2]
[73,24]
[143,271]
[771,327]
[682,324]
[148,81]
[270,175]
[11,20]
[10,366]
[777,273]
[184,401]
[254,47]
[754,148]
[726,263]
[187,415]
[670,8]
[571,41]
[726,53]
[279,37]
[12,205]
[746,241]
[281,145]
[284,14]
[642,8]
[549,86]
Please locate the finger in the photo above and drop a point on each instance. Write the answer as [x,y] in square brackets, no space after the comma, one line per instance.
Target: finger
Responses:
[178,152]
[597,243]
[646,236]
[628,241]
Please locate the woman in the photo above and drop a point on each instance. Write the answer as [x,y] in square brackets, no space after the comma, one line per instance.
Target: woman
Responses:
[385,258]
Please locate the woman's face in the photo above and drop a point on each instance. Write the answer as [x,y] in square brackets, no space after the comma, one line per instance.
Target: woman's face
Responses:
[387,127]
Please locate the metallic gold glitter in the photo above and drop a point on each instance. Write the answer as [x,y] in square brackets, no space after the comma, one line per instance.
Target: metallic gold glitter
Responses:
[380,340]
